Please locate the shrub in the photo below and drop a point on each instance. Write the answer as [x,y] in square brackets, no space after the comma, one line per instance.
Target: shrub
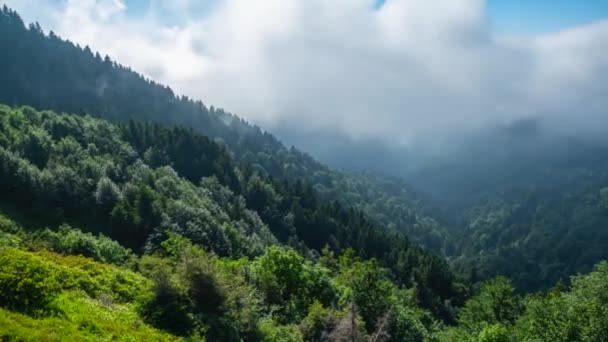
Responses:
[168,306]
[494,333]
[80,273]
[9,226]
[319,323]
[73,241]
[81,319]
[272,332]
[27,282]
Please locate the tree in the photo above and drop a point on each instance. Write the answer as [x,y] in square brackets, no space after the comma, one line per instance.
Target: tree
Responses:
[497,303]
[370,290]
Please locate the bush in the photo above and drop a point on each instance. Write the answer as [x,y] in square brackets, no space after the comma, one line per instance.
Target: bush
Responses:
[496,303]
[96,279]
[81,319]
[319,323]
[27,282]
[9,240]
[494,333]
[9,226]
[272,332]
[73,241]
[290,282]
[405,326]
[167,307]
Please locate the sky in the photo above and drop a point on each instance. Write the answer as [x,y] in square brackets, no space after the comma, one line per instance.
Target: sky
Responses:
[537,16]
[398,71]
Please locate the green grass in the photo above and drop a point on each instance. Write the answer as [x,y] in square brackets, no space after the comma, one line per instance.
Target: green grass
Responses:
[80,319]
[55,297]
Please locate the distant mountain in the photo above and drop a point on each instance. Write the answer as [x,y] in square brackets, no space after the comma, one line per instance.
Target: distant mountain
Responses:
[530,209]
[519,200]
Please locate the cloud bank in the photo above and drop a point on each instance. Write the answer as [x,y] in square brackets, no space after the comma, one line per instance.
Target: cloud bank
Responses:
[405,72]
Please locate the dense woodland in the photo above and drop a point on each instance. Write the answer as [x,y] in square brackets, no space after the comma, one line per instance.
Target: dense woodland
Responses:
[46,72]
[146,216]
[536,236]
[125,181]
[166,258]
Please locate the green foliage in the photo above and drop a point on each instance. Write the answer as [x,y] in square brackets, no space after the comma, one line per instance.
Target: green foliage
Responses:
[578,315]
[9,240]
[68,240]
[389,201]
[406,324]
[290,283]
[319,322]
[93,177]
[288,195]
[34,278]
[538,232]
[195,293]
[96,279]
[368,288]
[191,293]
[558,315]
[27,282]
[168,306]
[36,146]
[81,320]
[496,303]
[10,233]
[208,211]
[272,332]
[9,226]
[494,333]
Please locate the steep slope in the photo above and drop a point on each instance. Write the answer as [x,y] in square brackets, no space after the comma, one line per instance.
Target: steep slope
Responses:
[138,182]
[531,207]
[125,182]
[509,198]
[47,72]
[60,286]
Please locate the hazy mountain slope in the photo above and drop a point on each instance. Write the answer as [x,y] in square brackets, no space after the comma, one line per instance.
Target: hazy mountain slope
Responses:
[138,182]
[529,206]
[519,200]
[48,73]
[489,175]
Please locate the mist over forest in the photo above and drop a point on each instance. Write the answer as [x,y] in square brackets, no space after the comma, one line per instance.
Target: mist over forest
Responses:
[260,170]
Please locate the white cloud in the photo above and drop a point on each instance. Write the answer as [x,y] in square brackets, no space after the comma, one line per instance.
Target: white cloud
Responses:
[411,71]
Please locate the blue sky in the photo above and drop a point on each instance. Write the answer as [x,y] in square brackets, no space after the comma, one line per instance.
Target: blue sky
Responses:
[540,16]
[536,16]
[505,16]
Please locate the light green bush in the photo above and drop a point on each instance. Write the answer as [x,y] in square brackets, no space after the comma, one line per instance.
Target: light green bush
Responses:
[27,282]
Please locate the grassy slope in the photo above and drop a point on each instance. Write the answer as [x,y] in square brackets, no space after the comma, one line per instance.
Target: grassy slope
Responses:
[92,301]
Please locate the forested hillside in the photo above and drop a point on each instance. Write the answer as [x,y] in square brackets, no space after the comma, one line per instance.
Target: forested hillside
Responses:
[130,213]
[205,262]
[140,181]
[46,72]
[542,220]
[141,184]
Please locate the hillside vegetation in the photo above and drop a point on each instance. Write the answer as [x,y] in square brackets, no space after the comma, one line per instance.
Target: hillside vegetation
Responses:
[46,72]
[49,293]
[124,181]
[129,213]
